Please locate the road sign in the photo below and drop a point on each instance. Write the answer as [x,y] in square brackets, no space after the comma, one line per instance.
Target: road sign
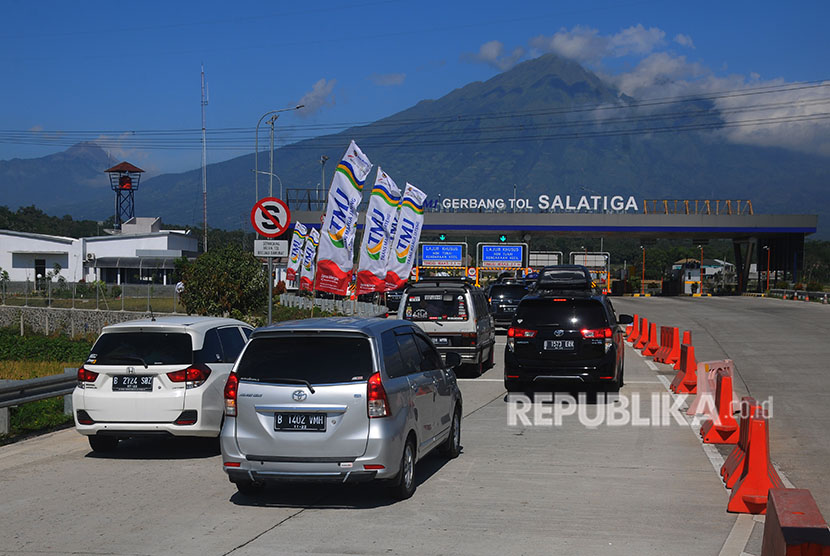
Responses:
[270,248]
[471,272]
[501,256]
[270,217]
[442,254]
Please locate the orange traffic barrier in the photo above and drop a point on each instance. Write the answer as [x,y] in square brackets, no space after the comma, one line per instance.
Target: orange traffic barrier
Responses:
[673,355]
[687,339]
[643,339]
[749,495]
[685,381]
[652,345]
[660,354]
[794,525]
[733,467]
[723,429]
[707,385]
[634,333]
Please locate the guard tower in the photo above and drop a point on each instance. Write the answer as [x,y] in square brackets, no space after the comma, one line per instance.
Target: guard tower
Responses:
[124,180]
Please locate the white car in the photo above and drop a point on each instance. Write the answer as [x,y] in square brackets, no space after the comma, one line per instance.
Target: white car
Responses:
[164,376]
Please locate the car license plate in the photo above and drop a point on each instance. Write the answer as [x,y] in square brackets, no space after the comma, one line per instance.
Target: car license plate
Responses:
[132,383]
[559,345]
[441,341]
[300,422]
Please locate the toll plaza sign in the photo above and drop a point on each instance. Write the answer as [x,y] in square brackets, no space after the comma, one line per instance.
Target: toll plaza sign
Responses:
[443,254]
[502,255]
[555,203]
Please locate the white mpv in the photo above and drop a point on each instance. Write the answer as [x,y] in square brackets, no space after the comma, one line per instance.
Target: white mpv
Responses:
[164,376]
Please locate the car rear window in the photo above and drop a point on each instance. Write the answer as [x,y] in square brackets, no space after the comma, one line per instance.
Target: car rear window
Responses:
[425,306]
[508,292]
[570,314]
[317,359]
[152,348]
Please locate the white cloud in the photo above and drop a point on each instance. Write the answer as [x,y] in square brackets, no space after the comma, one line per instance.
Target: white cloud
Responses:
[586,45]
[684,40]
[36,128]
[320,95]
[387,79]
[493,54]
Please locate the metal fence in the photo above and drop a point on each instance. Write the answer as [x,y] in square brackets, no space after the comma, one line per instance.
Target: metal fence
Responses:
[342,306]
[91,295]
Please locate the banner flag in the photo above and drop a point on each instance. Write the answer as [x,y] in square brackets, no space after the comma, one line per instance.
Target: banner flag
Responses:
[309,252]
[378,233]
[336,259]
[407,234]
[295,251]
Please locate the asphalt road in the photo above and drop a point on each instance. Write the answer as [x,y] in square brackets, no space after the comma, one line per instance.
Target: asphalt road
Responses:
[515,489]
[781,349]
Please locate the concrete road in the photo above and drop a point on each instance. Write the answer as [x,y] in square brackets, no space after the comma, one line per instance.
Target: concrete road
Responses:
[519,489]
[781,349]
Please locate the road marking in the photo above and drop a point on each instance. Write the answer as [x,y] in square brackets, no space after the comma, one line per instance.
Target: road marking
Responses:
[651,366]
[738,536]
[642,381]
[665,381]
[480,379]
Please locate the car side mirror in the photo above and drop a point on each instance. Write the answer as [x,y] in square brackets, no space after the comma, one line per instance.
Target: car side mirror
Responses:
[625,319]
[452,359]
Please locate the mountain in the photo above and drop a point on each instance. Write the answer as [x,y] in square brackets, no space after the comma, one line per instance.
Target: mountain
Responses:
[528,126]
[54,182]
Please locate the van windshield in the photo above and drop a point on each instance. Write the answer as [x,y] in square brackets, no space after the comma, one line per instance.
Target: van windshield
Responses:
[317,359]
[152,348]
[426,306]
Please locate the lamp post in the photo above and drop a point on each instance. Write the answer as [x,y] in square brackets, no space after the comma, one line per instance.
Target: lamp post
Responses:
[767,249]
[700,269]
[643,279]
[256,145]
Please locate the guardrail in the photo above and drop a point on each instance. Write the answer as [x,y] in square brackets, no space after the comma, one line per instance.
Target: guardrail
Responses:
[342,306]
[800,295]
[16,392]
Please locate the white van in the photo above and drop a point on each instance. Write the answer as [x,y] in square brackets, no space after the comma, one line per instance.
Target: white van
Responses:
[456,316]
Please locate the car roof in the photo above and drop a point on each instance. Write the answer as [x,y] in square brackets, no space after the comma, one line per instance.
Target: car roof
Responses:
[184,322]
[370,326]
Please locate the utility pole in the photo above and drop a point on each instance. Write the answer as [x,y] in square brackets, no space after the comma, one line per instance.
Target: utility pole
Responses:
[204,163]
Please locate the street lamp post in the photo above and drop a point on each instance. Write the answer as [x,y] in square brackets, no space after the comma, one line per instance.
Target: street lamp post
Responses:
[256,145]
[767,249]
[700,269]
[643,279]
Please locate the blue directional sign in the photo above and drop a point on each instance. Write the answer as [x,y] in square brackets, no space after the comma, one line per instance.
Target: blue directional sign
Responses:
[444,254]
[502,255]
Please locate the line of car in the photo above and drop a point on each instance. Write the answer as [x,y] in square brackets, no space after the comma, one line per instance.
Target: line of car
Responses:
[339,399]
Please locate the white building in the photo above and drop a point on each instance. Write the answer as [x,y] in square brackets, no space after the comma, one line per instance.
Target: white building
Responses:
[142,249]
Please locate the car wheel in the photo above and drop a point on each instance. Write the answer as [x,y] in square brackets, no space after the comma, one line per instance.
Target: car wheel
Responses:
[249,488]
[405,483]
[103,444]
[451,448]
[491,360]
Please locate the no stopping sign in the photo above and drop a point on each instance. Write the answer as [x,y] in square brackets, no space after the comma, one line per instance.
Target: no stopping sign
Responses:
[270,217]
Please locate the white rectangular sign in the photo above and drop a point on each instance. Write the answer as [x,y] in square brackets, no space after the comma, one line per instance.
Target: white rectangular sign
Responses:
[270,248]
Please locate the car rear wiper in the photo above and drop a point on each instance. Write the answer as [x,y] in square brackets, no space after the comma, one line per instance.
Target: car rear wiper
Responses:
[289,381]
[131,358]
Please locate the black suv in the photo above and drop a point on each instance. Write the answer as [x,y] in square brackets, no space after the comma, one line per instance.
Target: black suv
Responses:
[563,334]
[504,297]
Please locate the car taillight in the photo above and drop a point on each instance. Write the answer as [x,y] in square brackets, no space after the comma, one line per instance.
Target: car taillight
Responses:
[377,404]
[85,375]
[597,333]
[470,337]
[192,377]
[231,389]
[520,333]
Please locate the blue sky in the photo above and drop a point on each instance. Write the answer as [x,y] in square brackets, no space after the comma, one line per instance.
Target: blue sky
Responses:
[98,70]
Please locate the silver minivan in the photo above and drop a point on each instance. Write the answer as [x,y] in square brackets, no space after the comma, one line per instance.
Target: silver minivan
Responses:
[338,399]
[456,315]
